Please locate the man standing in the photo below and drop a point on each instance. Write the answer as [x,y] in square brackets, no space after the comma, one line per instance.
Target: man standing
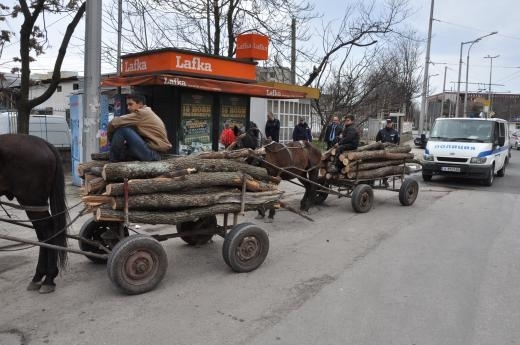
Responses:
[388,134]
[140,135]
[302,131]
[272,127]
[332,133]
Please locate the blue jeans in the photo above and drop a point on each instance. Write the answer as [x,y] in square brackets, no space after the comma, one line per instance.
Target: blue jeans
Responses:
[127,145]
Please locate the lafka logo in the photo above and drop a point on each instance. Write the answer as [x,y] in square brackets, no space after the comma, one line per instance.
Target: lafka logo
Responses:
[274,93]
[174,82]
[195,64]
[245,45]
[135,66]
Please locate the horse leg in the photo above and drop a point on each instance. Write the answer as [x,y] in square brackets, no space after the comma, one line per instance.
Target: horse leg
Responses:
[261,213]
[47,267]
[270,218]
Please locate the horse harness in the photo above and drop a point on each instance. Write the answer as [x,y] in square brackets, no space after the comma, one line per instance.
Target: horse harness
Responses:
[288,149]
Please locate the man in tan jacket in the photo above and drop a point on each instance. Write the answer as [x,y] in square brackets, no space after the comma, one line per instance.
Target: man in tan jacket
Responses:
[139,135]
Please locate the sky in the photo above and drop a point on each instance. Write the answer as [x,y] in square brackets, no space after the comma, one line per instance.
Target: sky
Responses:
[455,21]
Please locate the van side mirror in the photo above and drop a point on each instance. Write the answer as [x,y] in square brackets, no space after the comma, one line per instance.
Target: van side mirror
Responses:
[501,141]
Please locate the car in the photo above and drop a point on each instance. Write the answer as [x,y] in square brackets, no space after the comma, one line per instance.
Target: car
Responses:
[421,141]
[515,140]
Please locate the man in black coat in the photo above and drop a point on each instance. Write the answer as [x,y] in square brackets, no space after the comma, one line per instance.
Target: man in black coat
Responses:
[388,134]
[272,127]
[301,131]
[332,132]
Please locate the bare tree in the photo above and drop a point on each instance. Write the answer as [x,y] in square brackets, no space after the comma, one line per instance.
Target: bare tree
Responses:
[33,41]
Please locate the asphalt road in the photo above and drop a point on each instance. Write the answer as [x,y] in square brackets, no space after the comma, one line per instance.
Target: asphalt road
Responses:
[444,270]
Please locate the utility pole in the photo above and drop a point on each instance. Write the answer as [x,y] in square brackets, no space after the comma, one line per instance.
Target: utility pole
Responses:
[293,51]
[443,91]
[490,72]
[426,65]
[92,78]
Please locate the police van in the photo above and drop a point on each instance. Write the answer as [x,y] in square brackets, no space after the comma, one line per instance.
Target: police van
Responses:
[473,148]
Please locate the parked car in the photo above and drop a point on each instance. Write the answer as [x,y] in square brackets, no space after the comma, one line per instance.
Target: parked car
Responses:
[421,141]
[515,140]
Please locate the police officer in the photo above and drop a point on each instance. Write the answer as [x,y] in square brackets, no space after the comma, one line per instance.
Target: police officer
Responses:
[388,134]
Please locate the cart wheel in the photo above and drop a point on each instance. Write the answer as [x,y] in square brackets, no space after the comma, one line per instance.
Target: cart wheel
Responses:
[408,192]
[245,247]
[137,264]
[92,230]
[320,197]
[209,223]
[362,198]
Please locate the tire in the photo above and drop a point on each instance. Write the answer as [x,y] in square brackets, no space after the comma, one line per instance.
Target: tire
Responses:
[137,264]
[245,247]
[92,230]
[502,172]
[426,177]
[209,223]
[362,198]
[488,181]
[408,192]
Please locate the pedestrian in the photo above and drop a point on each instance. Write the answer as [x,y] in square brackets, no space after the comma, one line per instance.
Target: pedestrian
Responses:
[227,137]
[139,135]
[348,140]
[272,127]
[332,132]
[302,131]
[388,134]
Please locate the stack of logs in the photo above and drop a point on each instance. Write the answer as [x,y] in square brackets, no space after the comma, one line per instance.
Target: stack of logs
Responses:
[371,161]
[176,190]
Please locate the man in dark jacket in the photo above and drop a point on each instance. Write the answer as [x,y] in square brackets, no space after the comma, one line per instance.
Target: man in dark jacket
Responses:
[301,131]
[272,127]
[332,133]
[349,140]
[388,134]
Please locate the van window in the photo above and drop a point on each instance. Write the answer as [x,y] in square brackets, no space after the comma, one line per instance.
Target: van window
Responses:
[462,130]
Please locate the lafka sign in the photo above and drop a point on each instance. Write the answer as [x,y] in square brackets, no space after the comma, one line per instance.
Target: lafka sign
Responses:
[252,46]
[194,64]
[135,65]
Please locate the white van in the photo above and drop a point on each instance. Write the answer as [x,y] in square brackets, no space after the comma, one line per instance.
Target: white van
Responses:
[53,128]
[472,148]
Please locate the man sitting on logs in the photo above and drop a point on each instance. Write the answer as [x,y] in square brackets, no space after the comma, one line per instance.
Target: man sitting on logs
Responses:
[349,139]
[140,135]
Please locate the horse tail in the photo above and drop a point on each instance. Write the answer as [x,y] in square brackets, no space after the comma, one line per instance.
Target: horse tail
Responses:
[58,205]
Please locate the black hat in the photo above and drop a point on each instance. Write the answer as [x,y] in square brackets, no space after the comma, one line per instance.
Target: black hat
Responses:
[389,120]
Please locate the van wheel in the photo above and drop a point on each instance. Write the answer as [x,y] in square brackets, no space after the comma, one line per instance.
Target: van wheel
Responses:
[426,177]
[502,172]
[488,181]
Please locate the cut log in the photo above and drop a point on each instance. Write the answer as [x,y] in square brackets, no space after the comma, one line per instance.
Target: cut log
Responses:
[95,186]
[168,201]
[399,149]
[96,200]
[199,180]
[380,154]
[378,173]
[169,217]
[242,153]
[83,168]
[117,172]
[99,156]
[370,147]
[358,165]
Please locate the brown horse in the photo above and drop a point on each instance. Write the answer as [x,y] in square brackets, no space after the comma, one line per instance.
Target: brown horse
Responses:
[293,160]
[31,171]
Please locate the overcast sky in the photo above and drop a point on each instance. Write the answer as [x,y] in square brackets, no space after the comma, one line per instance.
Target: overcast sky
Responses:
[455,21]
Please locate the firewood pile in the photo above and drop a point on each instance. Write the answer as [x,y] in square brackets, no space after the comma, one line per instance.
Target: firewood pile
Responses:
[370,161]
[176,190]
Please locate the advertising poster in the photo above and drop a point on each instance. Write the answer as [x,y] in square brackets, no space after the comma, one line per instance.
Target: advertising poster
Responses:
[195,131]
[76,126]
[233,110]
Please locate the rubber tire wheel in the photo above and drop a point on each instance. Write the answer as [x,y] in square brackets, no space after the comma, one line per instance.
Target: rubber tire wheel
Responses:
[426,178]
[209,223]
[137,252]
[488,181]
[362,198]
[245,247]
[502,172]
[92,230]
[408,192]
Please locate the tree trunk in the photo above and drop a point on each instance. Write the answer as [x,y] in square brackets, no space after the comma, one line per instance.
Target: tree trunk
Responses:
[146,217]
[353,166]
[378,173]
[242,153]
[380,154]
[166,201]
[117,172]
[199,180]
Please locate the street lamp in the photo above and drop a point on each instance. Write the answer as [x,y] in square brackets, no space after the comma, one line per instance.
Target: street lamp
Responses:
[460,69]
[467,71]
[490,71]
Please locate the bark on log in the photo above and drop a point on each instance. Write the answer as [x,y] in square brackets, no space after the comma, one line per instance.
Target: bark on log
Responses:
[369,165]
[96,200]
[199,180]
[166,201]
[95,185]
[99,156]
[380,154]
[169,217]
[378,173]
[83,168]
[242,153]
[117,172]
[399,149]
